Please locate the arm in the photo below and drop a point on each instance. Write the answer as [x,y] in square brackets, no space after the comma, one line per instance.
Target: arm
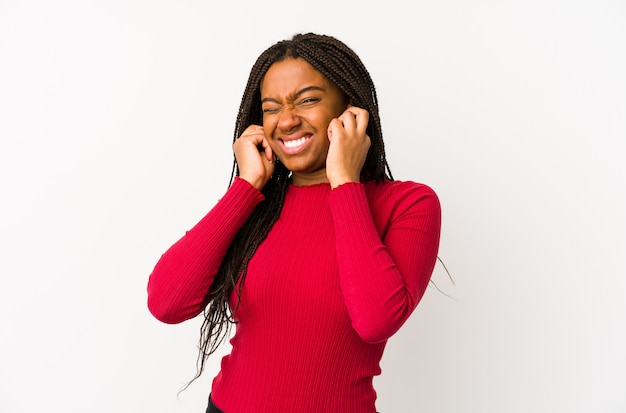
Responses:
[181,279]
[383,280]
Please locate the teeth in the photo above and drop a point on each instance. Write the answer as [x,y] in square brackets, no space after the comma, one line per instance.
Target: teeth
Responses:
[295,143]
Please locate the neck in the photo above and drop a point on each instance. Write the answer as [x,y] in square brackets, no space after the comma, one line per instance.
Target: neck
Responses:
[312,178]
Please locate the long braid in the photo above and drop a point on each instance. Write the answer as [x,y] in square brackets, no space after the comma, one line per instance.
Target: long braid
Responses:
[343,67]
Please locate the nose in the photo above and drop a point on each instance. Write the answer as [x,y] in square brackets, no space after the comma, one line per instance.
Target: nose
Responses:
[288,118]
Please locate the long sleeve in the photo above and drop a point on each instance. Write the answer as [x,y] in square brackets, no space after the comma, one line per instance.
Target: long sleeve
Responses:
[338,273]
[386,260]
[181,279]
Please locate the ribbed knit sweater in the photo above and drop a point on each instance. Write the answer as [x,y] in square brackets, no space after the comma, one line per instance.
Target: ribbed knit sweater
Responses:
[338,274]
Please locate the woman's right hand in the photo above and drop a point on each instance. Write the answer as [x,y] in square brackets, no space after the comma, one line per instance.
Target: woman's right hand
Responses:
[254,156]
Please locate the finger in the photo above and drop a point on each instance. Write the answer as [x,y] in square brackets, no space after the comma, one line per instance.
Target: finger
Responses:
[348,119]
[333,128]
[361,117]
[267,149]
[252,130]
[254,139]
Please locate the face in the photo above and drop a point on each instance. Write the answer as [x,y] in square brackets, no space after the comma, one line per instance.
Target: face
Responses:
[298,104]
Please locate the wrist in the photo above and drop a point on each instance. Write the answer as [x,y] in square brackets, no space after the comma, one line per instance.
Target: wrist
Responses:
[258,184]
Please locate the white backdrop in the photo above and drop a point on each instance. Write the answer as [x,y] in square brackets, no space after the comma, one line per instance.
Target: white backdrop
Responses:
[115,123]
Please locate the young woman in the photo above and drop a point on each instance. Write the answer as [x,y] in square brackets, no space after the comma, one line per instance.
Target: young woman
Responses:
[314,253]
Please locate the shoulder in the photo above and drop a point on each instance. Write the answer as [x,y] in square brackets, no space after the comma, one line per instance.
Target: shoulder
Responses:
[402,201]
[399,192]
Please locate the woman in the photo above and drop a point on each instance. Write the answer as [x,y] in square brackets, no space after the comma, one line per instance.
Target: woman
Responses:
[314,252]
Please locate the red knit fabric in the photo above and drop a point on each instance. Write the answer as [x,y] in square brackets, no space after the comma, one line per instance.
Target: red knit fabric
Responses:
[338,274]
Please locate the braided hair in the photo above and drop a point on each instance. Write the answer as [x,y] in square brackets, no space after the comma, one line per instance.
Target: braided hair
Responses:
[344,68]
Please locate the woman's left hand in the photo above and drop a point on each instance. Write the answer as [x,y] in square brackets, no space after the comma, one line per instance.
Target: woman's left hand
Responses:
[349,145]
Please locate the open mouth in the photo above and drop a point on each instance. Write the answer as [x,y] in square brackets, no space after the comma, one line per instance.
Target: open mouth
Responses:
[295,146]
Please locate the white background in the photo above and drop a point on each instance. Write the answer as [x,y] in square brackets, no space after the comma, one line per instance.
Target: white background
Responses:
[116,122]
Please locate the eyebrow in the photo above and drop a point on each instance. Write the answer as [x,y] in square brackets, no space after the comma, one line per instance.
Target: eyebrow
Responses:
[297,94]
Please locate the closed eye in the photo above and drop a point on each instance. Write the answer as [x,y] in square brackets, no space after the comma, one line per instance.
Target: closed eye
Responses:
[271,110]
[308,101]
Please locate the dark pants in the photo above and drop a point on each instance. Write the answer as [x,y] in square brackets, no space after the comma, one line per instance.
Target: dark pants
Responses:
[212,408]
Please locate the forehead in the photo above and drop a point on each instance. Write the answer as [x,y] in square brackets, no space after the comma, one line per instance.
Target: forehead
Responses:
[290,75]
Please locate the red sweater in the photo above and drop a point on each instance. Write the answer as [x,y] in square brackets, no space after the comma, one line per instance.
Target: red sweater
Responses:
[338,274]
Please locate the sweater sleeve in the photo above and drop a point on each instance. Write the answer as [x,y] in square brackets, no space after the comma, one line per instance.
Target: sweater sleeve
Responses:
[181,279]
[383,279]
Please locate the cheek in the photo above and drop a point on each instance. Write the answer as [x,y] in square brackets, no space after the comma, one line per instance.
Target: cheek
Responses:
[320,121]
[268,135]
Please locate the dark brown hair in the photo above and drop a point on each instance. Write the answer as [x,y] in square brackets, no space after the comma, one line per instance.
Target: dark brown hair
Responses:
[344,68]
